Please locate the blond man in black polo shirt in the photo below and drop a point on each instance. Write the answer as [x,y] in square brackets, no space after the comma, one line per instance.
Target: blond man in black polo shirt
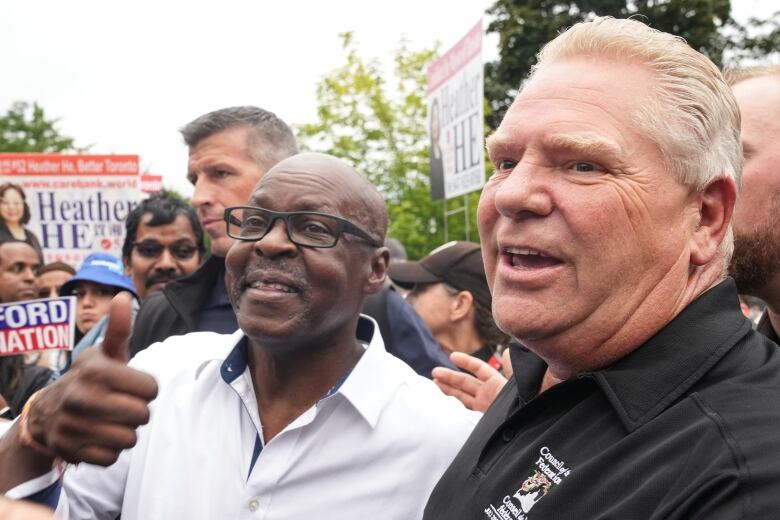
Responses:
[641,391]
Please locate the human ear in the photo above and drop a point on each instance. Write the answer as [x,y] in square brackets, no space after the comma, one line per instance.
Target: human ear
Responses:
[380,259]
[461,305]
[715,207]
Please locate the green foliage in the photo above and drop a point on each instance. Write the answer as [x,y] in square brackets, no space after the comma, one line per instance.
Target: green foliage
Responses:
[377,123]
[175,194]
[524,26]
[756,40]
[26,129]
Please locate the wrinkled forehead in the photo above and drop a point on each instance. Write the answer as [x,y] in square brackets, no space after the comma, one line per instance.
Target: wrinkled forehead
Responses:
[304,190]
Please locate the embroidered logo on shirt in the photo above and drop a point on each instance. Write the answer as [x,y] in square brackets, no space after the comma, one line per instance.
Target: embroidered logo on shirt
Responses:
[549,472]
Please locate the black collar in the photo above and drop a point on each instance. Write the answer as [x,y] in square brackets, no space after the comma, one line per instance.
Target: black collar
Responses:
[188,294]
[765,327]
[645,382]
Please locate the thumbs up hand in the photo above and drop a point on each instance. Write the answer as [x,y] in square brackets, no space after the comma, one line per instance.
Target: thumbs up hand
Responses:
[91,413]
[120,324]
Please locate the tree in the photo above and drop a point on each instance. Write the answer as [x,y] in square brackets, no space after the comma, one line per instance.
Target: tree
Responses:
[26,129]
[378,125]
[524,26]
[756,40]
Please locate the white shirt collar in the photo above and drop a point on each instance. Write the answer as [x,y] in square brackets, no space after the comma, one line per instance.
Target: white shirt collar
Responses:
[368,387]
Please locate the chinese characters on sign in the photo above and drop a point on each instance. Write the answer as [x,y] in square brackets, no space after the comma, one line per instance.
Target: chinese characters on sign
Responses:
[78,203]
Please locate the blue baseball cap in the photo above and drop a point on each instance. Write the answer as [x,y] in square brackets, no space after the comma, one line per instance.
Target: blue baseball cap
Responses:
[100,268]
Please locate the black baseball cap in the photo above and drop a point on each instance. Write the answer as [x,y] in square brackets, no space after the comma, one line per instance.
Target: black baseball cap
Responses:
[458,264]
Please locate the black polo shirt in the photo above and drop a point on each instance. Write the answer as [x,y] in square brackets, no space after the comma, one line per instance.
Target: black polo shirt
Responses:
[687,426]
[765,327]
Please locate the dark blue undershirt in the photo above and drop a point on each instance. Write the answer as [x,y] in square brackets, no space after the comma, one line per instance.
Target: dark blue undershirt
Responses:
[216,314]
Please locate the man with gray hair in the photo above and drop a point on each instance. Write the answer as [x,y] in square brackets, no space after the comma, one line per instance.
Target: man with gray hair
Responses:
[229,151]
[640,390]
[756,262]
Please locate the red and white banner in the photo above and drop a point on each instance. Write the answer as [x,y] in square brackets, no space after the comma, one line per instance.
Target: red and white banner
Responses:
[151,183]
[29,326]
[78,203]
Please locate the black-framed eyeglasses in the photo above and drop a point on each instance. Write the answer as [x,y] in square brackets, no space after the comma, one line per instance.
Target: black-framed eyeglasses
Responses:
[182,250]
[304,228]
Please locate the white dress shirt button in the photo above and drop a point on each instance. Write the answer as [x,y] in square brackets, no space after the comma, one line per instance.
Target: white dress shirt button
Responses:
[254,504]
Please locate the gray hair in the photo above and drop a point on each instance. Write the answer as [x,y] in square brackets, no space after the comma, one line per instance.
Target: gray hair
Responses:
[271,140]
[692,116]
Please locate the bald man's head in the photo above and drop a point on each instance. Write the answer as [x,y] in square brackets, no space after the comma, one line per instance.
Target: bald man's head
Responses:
[357,199]
[303,279]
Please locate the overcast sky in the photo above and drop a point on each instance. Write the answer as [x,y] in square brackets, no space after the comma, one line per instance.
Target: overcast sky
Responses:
[123,77]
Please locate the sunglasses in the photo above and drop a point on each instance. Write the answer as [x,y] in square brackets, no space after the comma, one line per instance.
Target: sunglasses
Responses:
[153,249]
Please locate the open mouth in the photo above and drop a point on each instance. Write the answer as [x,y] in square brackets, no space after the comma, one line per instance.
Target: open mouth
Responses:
[526,258]
[269,286]
[271,282]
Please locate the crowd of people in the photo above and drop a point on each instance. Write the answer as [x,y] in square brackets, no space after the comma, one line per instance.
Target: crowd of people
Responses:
[589,359]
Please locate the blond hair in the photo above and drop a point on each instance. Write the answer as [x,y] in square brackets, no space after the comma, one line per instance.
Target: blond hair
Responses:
[691,115]
[738,75]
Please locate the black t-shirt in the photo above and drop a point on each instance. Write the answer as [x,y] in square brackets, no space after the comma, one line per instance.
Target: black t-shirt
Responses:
[687,426]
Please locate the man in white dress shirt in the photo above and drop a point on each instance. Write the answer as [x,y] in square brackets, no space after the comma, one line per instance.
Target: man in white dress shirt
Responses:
[294,416]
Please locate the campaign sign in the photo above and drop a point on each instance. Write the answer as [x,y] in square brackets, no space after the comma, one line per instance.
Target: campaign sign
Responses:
[78,203]
[29,326]
[150,184]
[455,118]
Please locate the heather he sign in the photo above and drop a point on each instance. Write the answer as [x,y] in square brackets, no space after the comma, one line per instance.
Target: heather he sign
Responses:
[78,203]
[30,326]
[455,119]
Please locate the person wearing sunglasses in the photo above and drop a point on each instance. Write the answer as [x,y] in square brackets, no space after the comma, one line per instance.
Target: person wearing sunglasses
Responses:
[163,242]
[301,413]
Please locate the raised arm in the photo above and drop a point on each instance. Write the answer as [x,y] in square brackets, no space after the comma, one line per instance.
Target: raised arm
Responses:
[89,415]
